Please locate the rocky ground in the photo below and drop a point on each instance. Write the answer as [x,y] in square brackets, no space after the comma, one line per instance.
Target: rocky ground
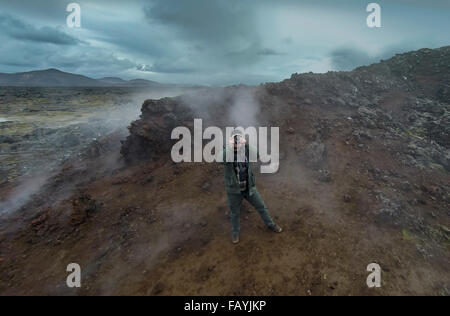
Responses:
[364,177]
[42,127]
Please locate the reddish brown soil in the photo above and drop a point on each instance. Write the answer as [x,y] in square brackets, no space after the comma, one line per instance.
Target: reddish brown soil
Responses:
[381,195]
[157,229]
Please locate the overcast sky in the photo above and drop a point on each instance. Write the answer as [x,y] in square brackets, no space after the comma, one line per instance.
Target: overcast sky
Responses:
[213,42]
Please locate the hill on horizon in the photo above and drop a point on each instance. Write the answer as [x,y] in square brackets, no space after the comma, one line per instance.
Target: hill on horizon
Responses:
[57,78]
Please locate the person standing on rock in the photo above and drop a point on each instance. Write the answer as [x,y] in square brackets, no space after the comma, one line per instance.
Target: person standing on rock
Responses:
[240,184]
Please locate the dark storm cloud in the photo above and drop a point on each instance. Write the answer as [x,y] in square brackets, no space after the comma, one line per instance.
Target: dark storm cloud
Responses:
[350,58]
[268,52]
[165,68]
[224,29]
[219,21]
[20,56]
[21,30]
[345,59]
[213,41]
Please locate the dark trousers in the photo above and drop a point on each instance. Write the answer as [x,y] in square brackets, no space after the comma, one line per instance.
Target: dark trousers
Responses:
[235,201]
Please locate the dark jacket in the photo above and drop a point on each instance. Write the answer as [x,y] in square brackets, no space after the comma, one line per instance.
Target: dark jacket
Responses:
[231,181]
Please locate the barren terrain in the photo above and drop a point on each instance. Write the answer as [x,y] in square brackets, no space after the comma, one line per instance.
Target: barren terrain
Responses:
[364,177]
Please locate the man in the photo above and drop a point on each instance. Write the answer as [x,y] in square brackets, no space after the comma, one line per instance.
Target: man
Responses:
[240,184]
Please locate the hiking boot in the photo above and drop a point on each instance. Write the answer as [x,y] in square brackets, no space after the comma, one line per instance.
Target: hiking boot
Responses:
[235,238]
[275,228]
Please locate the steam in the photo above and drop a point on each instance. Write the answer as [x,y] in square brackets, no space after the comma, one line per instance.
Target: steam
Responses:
[245,108]
[119,117]
[21,194]
[67,140]
[240,105]
[202,101]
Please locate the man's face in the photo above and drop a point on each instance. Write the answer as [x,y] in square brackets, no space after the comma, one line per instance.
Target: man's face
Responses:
[237,141]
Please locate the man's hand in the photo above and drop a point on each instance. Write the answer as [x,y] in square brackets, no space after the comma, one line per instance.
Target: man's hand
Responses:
[240,141]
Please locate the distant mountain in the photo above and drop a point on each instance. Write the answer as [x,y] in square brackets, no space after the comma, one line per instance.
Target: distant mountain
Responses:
[113,80]
[143,82]
[57,78]
[49,77]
